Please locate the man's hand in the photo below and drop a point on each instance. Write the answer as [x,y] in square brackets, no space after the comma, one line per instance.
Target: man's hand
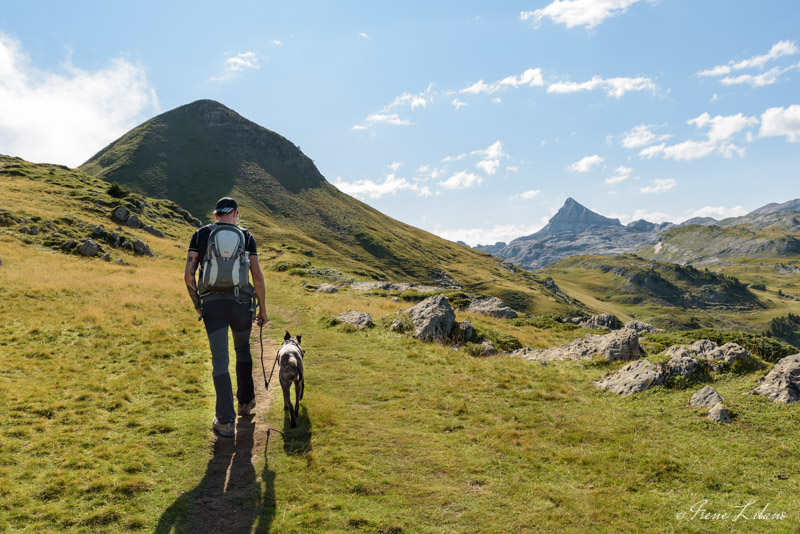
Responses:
[261,317]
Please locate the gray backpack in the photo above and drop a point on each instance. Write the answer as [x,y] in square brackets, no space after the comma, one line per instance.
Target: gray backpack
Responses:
[226,266]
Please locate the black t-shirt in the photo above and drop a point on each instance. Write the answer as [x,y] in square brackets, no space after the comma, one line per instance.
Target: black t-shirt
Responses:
[199,242]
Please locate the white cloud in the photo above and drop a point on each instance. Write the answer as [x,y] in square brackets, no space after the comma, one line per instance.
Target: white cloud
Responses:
[459,157]
[413,100]
[458,103]
[237,64]
[371,189]
[359,127]
[489,235]
[781,121]
[586,13]
[276,42]
[659,185]
[491,162]
[640,136]
[779,49]
[512,169]
[585,164]
[526,195]
[621,174]
[758,80]
[497,100]
[395,165]
[387,118]
[65,117]
[363,35]
[461,180]
[721,128]
[529,78]
[615,87]
[719,212]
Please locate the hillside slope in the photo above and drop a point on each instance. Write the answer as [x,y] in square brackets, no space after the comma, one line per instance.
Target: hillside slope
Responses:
[201,151]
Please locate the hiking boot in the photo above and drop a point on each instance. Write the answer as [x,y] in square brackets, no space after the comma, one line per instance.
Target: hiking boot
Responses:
[245,409]
[226,430]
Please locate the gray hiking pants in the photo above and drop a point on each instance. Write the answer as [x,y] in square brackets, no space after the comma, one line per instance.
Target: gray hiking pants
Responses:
[218,316]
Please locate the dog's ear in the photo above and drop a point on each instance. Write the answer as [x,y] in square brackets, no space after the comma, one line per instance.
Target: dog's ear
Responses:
[287,336]
[298,339]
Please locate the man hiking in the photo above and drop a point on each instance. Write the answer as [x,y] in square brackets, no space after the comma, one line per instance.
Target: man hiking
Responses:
[223,297]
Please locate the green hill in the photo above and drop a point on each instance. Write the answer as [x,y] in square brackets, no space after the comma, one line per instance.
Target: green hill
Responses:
[201,151]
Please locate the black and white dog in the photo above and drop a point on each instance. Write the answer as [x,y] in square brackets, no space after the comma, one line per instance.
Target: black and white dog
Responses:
[290,358]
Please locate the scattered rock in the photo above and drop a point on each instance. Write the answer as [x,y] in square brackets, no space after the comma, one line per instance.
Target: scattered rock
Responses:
[358,319]
[310,253]
[34,230]
[604,320]
[106,257]
[635,377]
[326,288]
[640,327]
[120,214]
[492,306]
[139,247]
[98,230]
[89,248]
[433,318]
[370,286]
[119,262]
[462,332]
[69,245]
[133,222]
[397,326]
[719,414]
[702,347]
[1,262]
[682,363]
[617,345]
[782,383]
[487,348]
[151,229]
[196,222]
[705,398]
[24,230]
[727,355]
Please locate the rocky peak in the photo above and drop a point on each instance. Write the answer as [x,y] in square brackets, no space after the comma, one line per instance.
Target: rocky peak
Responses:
[575,218]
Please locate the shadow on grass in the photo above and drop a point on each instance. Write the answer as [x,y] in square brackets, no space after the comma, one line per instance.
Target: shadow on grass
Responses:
[297,441]
[228,498]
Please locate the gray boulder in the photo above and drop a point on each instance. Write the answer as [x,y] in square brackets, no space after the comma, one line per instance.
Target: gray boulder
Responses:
[358,319]
[727,355]
[433,318]
[89,248]
[69,245]
[152,230]
[487,348]
[702,347]
[705,398]
[99,230]
[139,247]
[604,320]
[326,288]
[640,327]
[682,363]
[782,383]
[493,307]
[635,377]
[617,345]
[133,222]
[370,286]
[719,414]
[462,332]
[120,214]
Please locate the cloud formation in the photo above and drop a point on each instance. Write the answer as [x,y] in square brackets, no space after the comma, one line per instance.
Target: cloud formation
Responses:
[526,195]
[489,235]
[659,185]
[615,87]
[237,64]
[461,180]
[572,13]
[721,128]
[640,136]
[621,174]
[65,117]
[585,164]
[779,49]
[529,78]
[781,122]
[492,156]
[371,189]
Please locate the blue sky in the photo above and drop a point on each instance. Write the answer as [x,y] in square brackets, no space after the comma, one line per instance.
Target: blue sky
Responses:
[473,120]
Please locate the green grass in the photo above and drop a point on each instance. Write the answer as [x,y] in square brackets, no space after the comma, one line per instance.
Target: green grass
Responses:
[106,400]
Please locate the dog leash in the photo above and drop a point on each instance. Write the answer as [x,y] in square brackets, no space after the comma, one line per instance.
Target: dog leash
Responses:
[263,369]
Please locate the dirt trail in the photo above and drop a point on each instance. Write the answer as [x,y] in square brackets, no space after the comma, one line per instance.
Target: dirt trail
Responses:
[228,499]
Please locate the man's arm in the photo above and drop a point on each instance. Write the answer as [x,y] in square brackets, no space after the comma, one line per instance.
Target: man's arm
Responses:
[192,264]
[260,287]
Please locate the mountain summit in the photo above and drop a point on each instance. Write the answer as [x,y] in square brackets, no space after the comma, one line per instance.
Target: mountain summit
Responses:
[574,217]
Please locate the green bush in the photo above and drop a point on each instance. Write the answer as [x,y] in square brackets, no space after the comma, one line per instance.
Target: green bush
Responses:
[759,345]
[116,191]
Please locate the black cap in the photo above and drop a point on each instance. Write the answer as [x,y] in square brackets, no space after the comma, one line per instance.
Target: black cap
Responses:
[226,205]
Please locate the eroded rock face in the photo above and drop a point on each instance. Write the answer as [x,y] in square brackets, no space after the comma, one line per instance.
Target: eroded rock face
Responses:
[705,398]
[327,288]
[462,332]
[635,377]
[358,319]
[640,327]
[682,363]
[618,345]
[604,320]
[133,222]
[493,307]
[433,318]
[89,248]
[782,383]
[724,357]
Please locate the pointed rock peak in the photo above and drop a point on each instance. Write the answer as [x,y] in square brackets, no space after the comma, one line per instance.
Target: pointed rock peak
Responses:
[574,217]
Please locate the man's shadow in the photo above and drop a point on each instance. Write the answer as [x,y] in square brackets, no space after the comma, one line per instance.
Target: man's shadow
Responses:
[228,498]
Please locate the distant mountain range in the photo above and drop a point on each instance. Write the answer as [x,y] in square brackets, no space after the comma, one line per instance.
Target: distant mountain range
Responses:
[576,230]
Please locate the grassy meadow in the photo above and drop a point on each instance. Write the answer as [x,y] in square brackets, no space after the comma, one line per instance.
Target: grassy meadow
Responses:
[106,401]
